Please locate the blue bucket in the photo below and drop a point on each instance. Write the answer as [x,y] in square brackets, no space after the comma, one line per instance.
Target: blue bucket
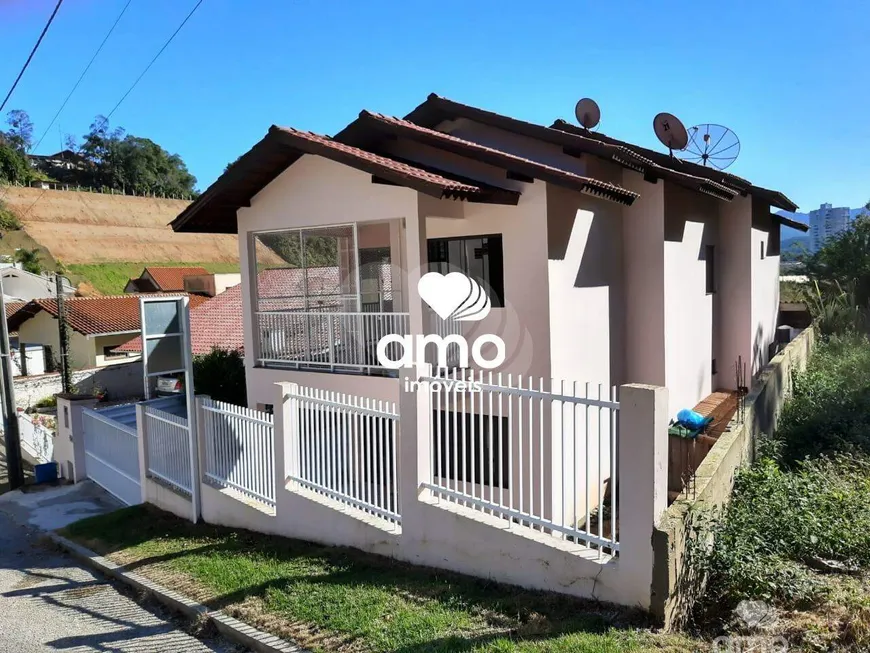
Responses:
[46,472]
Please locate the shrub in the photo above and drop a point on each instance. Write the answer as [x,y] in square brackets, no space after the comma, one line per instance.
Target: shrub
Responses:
[221,375]
[8,220]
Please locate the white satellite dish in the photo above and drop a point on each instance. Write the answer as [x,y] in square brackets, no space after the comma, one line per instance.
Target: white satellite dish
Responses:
[670,131]
[587,113]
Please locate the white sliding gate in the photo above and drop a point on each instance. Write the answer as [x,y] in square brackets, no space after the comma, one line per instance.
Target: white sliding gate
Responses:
[112,451]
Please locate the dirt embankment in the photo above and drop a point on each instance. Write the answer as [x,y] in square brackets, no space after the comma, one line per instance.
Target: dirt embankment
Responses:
[80,227]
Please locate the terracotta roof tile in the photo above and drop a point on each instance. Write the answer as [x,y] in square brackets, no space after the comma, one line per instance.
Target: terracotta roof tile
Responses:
[93,315]
[500,157]
[172,279]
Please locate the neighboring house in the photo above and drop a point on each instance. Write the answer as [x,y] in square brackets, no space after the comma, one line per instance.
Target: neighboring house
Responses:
[605,261]
[63,160]
[20,285]
[211,285]
[162,279]
[97,325]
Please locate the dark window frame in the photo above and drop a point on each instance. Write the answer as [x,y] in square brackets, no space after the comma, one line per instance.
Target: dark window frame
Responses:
[437,253]
[710,268]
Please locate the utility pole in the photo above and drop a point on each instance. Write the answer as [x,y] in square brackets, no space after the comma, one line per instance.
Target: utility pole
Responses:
[63,334]
[10,414]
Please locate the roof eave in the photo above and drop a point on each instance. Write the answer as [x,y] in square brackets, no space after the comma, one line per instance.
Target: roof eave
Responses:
[788,222]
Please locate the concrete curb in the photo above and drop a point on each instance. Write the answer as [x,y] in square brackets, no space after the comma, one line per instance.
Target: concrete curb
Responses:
[233,629]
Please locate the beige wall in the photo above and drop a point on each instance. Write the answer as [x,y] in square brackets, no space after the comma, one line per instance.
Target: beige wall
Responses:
[41,329]
[101,342]
[765,283]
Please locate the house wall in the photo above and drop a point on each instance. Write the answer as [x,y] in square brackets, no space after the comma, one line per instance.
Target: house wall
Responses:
[312,192]
[690,225]
[41,329]
[101,342]
[27,286]
[765,283]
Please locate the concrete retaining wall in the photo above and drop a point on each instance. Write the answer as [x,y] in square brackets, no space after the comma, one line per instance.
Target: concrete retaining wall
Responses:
[674,585]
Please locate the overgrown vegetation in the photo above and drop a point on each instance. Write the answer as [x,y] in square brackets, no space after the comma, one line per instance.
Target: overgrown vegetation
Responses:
[8,220]
[111,278]
[339,599]
[804,506]
[220,374]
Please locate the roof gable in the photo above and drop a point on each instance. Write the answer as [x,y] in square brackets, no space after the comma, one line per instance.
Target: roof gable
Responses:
[169,279]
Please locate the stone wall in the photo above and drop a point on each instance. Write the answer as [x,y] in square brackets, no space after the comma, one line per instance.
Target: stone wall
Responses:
[674,586]
[121,381]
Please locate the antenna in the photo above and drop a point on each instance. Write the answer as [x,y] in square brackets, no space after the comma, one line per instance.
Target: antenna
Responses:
[670,131]
[712,145]
[587,113]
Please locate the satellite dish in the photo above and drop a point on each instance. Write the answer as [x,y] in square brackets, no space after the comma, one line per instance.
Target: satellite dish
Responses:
[712,145]
[670,131]
[587,113]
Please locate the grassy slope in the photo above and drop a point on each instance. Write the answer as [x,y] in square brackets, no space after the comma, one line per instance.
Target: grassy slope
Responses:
[110,278]
[333,598]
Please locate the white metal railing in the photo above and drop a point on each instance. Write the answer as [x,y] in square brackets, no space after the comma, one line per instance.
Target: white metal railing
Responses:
[112,455]
[36,439]
[539,455]
[167,441]
[328,340]
[345,447]
[240,449]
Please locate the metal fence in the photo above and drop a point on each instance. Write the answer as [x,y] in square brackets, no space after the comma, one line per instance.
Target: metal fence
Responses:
[537,454]
[112,452]
[239,449]
[167,441]
[345,447]
[325,339]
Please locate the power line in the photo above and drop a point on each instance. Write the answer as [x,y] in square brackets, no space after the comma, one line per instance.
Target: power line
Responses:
[84,72]
[151,63]
[32,52]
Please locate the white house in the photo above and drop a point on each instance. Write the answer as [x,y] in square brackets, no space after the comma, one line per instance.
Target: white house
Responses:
[609,263]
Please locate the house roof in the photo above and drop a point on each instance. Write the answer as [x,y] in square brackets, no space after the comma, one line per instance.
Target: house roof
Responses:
[788,222]
[397,127]
[91,315]
[437,109]
[171,279]
[215,323]
[215,210]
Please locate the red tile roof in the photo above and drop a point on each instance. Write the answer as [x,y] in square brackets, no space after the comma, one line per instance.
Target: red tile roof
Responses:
[500,158]
[171,279]
[92,315]
[215,323]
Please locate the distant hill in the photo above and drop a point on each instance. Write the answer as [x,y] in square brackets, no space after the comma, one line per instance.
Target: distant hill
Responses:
[80,227]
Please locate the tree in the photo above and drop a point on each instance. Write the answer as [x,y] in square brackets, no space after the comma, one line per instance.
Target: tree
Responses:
[14,168]
[220,374]
[844,261]
[20,134]
[29,259]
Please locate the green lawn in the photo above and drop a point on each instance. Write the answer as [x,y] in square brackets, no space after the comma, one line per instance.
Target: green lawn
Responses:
[110,278]
[331,598]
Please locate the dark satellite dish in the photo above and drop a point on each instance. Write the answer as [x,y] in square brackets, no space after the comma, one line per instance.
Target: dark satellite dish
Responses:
[587,113]
[712,145]
[670,131]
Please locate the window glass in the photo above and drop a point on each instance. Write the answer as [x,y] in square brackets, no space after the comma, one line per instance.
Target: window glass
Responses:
[479,257]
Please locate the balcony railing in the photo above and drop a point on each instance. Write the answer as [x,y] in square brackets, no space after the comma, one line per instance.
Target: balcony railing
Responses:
[338,341]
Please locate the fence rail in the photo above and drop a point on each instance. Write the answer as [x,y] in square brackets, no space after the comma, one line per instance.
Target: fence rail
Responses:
[167,440]
[345,447]
[325,339]
[539,455]
[240,449]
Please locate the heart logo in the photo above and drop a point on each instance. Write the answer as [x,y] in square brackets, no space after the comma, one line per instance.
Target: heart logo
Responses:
[454,296]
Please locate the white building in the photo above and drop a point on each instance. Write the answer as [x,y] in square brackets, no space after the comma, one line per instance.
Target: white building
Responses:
[826,222]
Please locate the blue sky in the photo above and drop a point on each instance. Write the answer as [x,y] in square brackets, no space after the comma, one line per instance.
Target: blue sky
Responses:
[789,77]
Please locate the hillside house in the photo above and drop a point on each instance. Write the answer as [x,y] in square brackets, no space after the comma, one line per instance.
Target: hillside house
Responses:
[606,261]
[97,325]
[21,285]
[162,279]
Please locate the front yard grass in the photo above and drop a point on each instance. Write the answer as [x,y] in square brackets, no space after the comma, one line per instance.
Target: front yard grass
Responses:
[340,599]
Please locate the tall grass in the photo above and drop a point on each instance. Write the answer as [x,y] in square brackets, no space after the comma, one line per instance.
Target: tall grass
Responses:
[111,278]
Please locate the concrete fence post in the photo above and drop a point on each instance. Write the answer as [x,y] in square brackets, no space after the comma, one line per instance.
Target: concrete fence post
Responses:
[285,409]
[414,442]
[201,436]
[141,436]
[642,481]
[69,445]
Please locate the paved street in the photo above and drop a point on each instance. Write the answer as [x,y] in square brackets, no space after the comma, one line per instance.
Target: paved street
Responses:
[49,602]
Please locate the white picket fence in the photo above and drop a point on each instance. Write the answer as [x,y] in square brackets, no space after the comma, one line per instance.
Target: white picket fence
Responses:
[345,447]
[167,440]
[239,449]
[112,451]
[538,454]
